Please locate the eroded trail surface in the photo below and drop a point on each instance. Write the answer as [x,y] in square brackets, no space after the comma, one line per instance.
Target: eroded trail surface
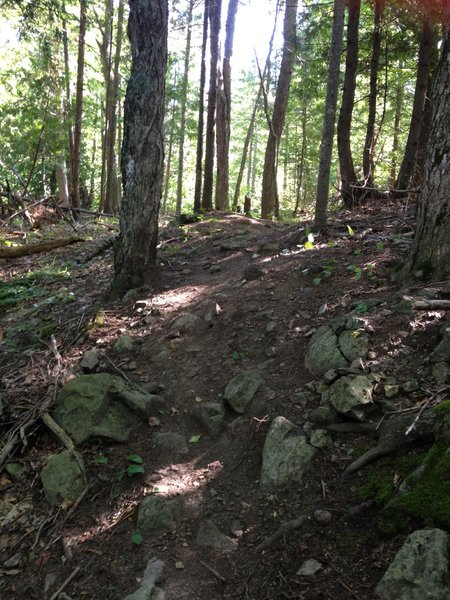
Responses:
[237,295]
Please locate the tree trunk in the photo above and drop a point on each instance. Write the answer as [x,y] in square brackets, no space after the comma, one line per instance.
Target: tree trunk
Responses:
[224,113]
[143,147]
[214,12]
[75,187]
[184,92]
[368,163]
[201,115]
[301,163]
[112,185]
[348,98]
[68,98]
[269,194]
[426,48]
[429,256]
[326,145]
[397,116]
[168,161]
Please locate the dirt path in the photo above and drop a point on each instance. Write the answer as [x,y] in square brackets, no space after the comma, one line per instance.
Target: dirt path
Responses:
[258,293]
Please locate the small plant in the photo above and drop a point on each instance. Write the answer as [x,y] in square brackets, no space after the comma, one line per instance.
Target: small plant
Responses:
[238,356]
[194,439]
[137,538]
[351,233]
[309,244]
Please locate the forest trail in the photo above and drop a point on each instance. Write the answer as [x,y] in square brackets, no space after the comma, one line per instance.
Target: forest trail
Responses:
[251,292]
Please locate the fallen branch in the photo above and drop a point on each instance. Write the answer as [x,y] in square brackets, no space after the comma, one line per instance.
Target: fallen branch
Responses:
[18,251]
[57,430]
[284,529]
[432,304]
[65,583]
[216,574]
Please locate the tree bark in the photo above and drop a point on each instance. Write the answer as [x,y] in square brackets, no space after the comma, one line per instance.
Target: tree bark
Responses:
[214,12]
[326,145]
[224,113]
[269,193]
[201,115]
[397,117]
[427,42]
[68,98]
[143,147]
[75,175]
[112,193]
[347,168]
[184,92]
[368,163]
[429,257]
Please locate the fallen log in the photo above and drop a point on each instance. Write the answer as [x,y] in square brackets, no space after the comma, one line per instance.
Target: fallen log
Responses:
[18,251]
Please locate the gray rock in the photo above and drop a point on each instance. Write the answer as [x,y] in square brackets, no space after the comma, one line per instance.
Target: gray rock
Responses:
[211,415]
[286,455]
[63,477]
[336,345]
[236,244]
[154,572]
[322,415]
[320,438]
[156,515]
[209,536]
[13,562]
[322,352]
[419,570]
[310,567]
[410,386]
[352,395]
[90,360]
[124,344]
[104,406]
[136,294]
[172,444]
[322,516]
[16,470]
[187,323]
[271,326]
[441,372]
[442,350]
[391,391]
[215,268]
[241,390]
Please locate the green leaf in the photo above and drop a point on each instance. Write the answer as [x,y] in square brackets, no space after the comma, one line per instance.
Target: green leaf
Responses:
[361,308]
[351,233]
[137,538]
[135,458]
[380,245]
[194,439]
[100,460]
[135,470]
[358,272]
[351,267]
[317,281]
[120,475]
[357,252]
[235,355]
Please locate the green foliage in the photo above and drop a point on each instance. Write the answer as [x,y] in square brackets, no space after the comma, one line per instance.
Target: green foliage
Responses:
[194,439]
[137,538]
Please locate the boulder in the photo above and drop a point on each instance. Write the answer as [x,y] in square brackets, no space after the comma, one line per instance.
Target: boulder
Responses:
[211,415]
[286,455]
[172,445]
[187,323]
[352,395]
[63,477]
[241,389]
[442,351]
[124,344]
[336,345]
[156,515]
[209,536]
[102,406]
[419,570]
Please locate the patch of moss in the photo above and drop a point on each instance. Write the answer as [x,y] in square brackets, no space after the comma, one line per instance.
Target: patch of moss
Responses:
[353,541]
[380,479]
[428,501]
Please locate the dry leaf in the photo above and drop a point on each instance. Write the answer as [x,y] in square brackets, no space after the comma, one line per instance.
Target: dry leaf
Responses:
[154,422]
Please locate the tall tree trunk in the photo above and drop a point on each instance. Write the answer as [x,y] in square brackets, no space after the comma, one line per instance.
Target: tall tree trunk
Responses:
[75,187]
[168,162]
[68,98]
[326,145]
[426,48]
[143,147]
[269,194]
[112,185]
[429,256]
[301,162]
[224,112]
[368,163]
[397,117]
[184,93]
[201,114]
[215,7]
[348,98]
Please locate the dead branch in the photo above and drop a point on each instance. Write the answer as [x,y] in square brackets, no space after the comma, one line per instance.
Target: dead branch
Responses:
[432,304]
[283,530]
[18,251]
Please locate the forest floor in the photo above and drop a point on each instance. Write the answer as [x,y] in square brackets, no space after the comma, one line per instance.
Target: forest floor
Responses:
[259,293]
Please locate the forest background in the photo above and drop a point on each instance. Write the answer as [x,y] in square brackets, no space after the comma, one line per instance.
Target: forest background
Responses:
[50,103]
